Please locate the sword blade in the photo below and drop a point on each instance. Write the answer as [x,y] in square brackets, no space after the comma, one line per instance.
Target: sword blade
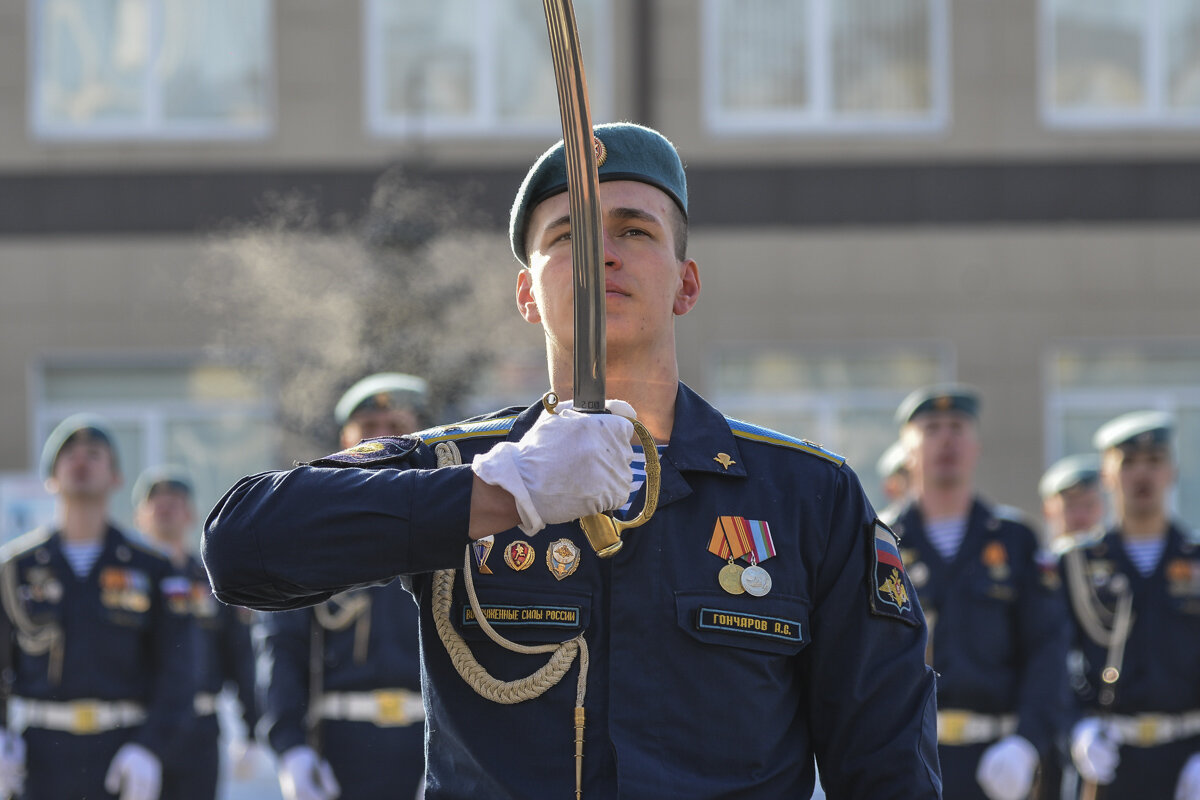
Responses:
[583,189]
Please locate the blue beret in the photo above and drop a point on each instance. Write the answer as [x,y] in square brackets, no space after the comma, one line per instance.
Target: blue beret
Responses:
[382,390]
[170,476]
[1136,429]
[892,460]
[1077,470]
[942,397]
[89,424]
[626,152]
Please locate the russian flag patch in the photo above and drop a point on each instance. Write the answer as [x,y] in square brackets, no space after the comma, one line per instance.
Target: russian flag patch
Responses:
[892,593]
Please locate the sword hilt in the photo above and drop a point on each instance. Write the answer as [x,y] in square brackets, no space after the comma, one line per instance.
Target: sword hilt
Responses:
[604,530]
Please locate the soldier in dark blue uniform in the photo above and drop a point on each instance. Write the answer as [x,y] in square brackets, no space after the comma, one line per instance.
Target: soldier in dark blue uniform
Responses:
[164,511]
[760,617]
[998,617]
[341,682]
[1073,508]
[1135,594]
[101,643]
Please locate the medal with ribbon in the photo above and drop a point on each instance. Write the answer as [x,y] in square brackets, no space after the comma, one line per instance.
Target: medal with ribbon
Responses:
[738,537]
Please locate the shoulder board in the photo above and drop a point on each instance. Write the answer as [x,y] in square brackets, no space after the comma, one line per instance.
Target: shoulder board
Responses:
[24,543]
[756,433]
[1011,514]
[500,426]
[143,545]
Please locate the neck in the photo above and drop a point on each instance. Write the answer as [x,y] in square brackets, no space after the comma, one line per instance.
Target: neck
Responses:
[1152,526]
[944,503]
[84,522]
[648,384]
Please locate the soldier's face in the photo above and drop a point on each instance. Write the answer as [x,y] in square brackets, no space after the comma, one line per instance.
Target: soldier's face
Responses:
[645,285]
[85,469]
[1140,478]
[943,448]
[1075,509]
[368,424]
[166,514]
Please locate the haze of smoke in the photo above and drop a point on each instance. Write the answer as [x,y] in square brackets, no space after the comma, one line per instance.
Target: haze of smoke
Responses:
[413,287]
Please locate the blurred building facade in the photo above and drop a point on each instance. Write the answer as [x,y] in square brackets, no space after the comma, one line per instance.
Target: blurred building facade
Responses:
[884,193]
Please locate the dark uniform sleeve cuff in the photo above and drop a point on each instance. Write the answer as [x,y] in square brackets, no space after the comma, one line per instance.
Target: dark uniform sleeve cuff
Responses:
[439,519]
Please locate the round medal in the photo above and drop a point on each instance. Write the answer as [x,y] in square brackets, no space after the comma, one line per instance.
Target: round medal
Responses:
[756,580]
[730,578]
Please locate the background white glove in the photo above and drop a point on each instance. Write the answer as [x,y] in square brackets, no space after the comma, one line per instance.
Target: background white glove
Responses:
[568,465]
[134,774]
[244,757]
[1188,787]
[303,775]
[1007,768]
[1094,751]
[12,764]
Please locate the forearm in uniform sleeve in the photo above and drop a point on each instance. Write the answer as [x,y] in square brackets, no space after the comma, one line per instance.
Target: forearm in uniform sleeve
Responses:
[283,678]
[872,697]
[282,540]
[173,691]
[1045,637]
[237,663]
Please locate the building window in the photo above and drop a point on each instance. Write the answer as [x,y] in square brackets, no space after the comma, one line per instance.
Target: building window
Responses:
[474,66]
[1121,62]
[151,69]
[842,397]
[214,420]
[774,66]
[1090,383]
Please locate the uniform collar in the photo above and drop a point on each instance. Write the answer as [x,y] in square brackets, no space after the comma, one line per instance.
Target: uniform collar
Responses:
[699,435]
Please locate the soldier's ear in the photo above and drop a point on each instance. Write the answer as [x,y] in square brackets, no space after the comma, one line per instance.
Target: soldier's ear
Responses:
[526,303]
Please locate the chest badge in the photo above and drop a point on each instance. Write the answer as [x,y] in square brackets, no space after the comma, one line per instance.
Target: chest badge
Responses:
[995,558]
[724,460]
[519,555]
[562,558]
[482,548]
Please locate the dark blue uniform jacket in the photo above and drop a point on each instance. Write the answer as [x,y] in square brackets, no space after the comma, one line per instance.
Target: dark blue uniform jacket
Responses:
[1002,629]
[692,692]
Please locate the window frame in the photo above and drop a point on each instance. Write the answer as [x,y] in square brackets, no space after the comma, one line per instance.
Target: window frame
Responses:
[1152,114]
[824,119]
[380,124]
[151,126]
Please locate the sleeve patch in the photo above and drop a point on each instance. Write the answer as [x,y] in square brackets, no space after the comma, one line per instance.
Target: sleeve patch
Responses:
[371,453]
[892,594]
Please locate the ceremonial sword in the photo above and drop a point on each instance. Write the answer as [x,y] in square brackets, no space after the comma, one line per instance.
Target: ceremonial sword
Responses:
[587,263]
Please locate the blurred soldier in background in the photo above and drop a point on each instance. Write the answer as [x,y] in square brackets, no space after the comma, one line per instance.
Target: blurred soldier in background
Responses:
[164,510]
[997,616]
[100,643]
[1072,500]
[892,469]
[1135,594]
[1073,510]
[342,685]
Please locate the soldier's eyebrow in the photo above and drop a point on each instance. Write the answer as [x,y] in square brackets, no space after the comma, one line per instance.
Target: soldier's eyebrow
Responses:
[625,213]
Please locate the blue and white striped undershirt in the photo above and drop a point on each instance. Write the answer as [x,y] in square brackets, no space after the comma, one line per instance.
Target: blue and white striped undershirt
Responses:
[1145,553]
[946,535]
[639,474]
[82,557]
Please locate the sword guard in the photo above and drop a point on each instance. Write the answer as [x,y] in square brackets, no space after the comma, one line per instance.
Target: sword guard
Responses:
[604,530]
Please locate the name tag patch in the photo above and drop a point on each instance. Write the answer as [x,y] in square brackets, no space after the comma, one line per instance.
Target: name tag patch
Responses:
[525,616]
[757,625]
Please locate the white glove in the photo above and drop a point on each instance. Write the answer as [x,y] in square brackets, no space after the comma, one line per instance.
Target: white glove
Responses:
[244,757]
[568,465]
[135,773]
[12,764]
[303,775]
[1006,769]
[1188,787]
[1094,751]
